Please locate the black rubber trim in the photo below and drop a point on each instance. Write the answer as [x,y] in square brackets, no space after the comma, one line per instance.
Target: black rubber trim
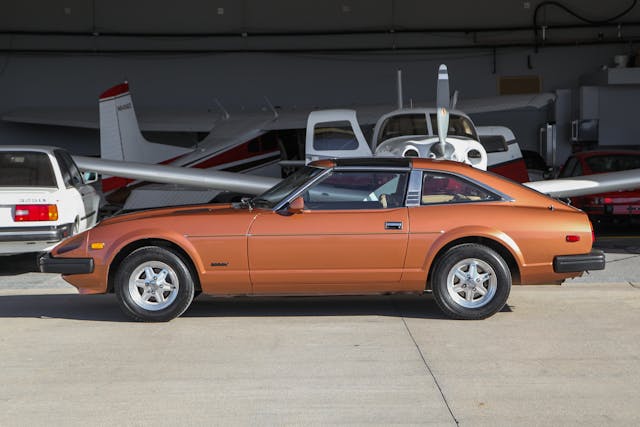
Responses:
[66,266]
[52,233]
[575,263]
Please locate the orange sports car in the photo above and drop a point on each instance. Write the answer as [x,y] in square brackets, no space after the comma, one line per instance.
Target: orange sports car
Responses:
[348,226]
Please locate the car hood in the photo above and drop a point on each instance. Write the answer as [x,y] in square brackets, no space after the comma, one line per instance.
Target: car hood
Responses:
[166,212]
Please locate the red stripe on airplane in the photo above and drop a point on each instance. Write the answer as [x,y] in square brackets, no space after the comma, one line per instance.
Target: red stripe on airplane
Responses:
[515,170]
[116,90]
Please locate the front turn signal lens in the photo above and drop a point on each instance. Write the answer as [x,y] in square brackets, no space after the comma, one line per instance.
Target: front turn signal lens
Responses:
[97,245]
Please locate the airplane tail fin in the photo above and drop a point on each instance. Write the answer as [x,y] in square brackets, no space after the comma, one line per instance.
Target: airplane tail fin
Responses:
[120,136]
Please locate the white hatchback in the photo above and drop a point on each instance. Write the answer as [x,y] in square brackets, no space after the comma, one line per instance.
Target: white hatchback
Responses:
[43,198]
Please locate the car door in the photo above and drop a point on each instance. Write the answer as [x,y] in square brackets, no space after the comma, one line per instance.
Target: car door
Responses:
[351,237]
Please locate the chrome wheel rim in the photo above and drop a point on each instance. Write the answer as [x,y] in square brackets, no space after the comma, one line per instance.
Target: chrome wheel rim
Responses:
[153,285]
[472,283]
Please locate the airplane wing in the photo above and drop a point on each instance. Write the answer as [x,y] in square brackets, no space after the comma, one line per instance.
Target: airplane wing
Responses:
[251,184]
[588,184]
[506,103]
[201,178]
[87,118]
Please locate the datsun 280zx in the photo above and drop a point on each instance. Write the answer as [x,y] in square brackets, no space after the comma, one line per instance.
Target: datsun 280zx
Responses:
[347,226]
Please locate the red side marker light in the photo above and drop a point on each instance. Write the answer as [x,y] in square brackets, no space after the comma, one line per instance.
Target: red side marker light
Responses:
[572,238]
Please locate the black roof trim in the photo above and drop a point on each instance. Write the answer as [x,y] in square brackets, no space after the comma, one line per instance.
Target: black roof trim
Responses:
[386,162]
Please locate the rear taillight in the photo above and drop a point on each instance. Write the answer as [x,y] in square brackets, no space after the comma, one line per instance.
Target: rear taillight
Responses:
[593,233]
[36,213]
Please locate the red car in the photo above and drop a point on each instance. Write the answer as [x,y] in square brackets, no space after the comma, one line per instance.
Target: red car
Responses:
[605,207]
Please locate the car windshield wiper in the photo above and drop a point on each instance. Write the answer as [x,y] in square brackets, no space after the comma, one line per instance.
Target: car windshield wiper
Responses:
[245,202]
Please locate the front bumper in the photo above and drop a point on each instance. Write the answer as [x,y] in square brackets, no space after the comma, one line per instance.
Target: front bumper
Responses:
[65,266]
[577,263]
[49,233]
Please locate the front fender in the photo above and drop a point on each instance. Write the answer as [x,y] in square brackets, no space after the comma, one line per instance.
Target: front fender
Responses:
[121,242]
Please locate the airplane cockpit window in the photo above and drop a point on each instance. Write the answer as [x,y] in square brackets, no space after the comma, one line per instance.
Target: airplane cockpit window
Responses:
[334,136]
[458,126]
[494,143]
[358,190]
[403,125]
[440,188]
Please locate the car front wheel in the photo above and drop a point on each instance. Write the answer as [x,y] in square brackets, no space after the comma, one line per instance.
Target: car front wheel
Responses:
[153,284]
[470,282]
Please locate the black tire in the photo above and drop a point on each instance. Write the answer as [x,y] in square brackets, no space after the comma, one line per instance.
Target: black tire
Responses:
[471,282]
[165,296]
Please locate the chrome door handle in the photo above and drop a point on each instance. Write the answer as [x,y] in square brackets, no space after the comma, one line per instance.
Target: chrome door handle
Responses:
[393,225]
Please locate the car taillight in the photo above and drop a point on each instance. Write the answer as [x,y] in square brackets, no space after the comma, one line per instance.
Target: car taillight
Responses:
[36,213]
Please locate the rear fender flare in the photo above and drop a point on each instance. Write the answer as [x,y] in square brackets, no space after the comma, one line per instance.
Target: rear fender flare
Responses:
[468,233]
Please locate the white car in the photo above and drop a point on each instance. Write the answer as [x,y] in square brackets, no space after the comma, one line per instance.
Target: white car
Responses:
[43,199]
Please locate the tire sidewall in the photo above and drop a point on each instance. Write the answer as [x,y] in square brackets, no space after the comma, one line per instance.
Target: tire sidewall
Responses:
[456,254]
[146,254]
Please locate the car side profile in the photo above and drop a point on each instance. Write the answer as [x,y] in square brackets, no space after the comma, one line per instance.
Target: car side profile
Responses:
[339,227]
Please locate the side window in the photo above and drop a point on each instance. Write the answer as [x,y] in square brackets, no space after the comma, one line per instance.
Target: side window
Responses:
[443,188]
[494,143]
[329,136]
[70,173]
[358,190]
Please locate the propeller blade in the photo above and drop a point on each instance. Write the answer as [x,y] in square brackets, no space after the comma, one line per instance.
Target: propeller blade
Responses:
[442,95]
[442,103]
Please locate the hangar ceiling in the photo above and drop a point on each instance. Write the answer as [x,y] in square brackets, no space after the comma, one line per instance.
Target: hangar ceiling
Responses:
[232,25]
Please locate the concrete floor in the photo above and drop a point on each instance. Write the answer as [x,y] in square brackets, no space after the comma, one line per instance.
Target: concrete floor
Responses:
[556,355]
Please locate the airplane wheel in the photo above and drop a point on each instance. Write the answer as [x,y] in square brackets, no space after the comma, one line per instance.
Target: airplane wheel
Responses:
[153,284]
[470,282]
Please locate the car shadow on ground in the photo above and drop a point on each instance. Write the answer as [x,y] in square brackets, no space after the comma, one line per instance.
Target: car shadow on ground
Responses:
[105,307]
[618,239]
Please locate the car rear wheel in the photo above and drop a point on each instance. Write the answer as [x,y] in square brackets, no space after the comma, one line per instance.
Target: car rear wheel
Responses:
[470,282]
[154,284]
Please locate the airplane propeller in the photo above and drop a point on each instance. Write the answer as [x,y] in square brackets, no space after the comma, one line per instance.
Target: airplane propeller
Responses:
[467,150]
[443,150]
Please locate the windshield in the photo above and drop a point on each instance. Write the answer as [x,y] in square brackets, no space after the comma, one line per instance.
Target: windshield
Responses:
[458,126]
[275,194]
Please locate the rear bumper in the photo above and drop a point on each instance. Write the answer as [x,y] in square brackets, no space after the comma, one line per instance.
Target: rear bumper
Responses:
[65,266]
[50,233]
[577,263]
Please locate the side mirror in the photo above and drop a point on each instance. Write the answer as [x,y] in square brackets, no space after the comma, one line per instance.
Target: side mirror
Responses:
[89,177]
[294,207]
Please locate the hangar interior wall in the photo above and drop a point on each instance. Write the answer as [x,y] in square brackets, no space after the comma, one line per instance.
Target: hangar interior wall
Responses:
[241,80]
